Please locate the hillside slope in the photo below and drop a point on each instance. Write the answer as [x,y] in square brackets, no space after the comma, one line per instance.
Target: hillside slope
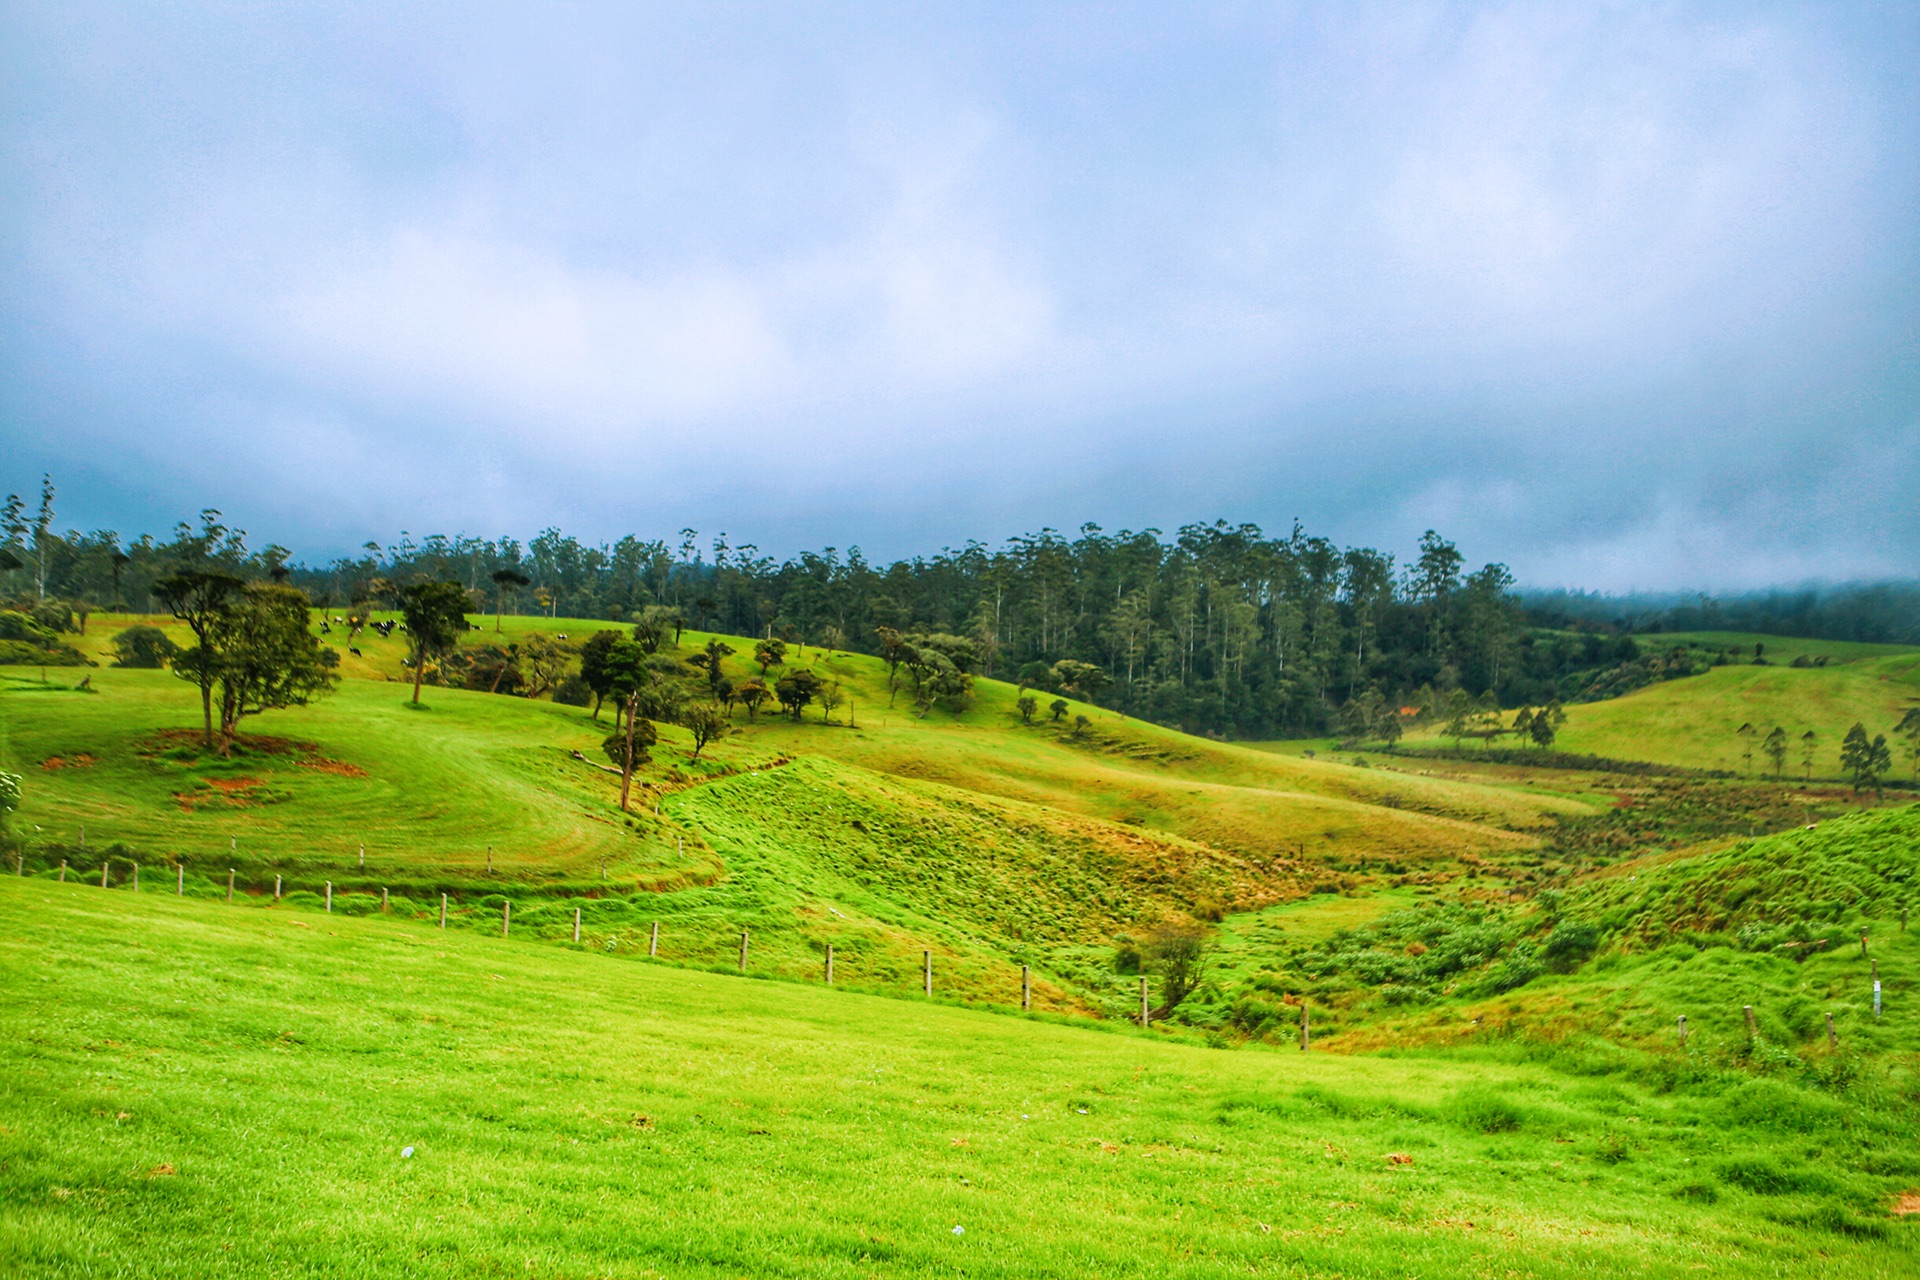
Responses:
[193,1089]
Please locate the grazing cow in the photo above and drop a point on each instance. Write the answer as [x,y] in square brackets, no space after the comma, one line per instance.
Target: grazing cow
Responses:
[563,635]
[354,651]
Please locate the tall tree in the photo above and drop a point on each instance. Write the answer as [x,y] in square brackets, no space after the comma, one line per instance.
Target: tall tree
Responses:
[436,618]
[266,655]
[1776,749]
[197,597]
[505,581]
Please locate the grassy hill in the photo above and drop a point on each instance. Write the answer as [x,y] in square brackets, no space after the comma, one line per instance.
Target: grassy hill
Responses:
[194,1089]
[987,841]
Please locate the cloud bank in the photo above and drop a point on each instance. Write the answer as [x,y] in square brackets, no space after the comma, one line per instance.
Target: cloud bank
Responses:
[1625,296]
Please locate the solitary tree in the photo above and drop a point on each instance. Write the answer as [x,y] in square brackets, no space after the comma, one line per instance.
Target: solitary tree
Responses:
[709,661]
[505,582]
[796,691]
[705,721]
[436,618]
[753,694]
[1178,953]
[771,652]
[1058,707]
[1776,748]
[266,655]
[197,598]
[629,749]
[1027,704]
[594,672]
[1864,762]
[1909,728]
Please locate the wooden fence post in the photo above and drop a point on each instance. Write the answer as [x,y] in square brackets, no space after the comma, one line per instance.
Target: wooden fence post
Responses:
[1306,1028]
[180,888]
[506,917]
[136,877]
[363,855]
[329,895]
[103,872]
[1026,987]
[276,888]
[829,964]
[1833,1041]
[1863,943]
[1876,990]
[383,899]
[63,871]
[1753,1028]
[489,859]
[229,884]
[603,868]
[926,971]
[576,924]
[1683,1030]
[443,911]
[1144,1015]
[653,943]
[743,951]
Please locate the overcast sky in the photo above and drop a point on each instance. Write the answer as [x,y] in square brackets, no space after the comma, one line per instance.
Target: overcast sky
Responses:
[1627,296]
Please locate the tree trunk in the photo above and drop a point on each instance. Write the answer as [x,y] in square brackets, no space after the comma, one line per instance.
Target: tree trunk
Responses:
[419,667]
[626,764]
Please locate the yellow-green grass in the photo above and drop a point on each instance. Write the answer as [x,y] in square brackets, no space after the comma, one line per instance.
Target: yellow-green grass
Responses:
[1694,721]
[426,791]
[192,1089]
[1779,649]
[1119,770]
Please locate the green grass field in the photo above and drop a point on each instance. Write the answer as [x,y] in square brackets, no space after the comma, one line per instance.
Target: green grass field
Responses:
[188,1088]
[229,1085]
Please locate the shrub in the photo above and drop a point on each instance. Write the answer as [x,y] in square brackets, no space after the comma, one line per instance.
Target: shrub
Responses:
[573,692]
[143,647]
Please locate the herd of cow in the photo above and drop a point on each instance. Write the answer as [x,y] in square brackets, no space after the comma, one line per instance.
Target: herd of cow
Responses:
[386,629]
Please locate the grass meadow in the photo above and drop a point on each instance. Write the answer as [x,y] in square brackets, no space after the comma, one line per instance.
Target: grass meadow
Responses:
[189,1088]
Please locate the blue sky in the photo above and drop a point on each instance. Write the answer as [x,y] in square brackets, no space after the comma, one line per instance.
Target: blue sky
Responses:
[1627,296]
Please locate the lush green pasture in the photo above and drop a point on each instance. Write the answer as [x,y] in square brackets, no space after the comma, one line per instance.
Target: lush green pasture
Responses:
[1779,649]
[192,1089]
[1693,721]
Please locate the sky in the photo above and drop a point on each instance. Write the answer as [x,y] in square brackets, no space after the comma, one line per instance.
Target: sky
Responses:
[1625,296]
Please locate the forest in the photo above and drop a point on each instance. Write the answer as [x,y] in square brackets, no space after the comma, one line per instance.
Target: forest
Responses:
[1222,628]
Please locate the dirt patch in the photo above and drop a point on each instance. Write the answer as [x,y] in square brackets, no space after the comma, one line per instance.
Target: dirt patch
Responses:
[1907,1202]
[235,793]
[79,760]
[339,768]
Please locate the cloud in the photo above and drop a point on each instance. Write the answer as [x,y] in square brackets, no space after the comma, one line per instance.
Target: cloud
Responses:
[1605,291]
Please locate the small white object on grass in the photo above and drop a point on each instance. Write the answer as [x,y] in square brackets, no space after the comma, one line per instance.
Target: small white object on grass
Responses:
[406,1153]
[959,1230]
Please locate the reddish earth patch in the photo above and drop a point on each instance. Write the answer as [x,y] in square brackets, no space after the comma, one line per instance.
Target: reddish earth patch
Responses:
[237,792]
[1907,1202]
[77,761]
[338,767]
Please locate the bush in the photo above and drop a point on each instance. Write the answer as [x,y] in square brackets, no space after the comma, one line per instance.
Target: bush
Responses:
[143,647]
[1570,944]
[573,692]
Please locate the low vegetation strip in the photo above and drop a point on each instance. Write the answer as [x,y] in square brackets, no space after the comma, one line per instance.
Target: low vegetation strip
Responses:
[193,1090]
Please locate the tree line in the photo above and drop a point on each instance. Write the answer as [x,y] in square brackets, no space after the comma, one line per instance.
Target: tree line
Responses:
[1221,628]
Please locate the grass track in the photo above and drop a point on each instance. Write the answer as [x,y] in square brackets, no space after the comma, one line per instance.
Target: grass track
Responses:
[190,1089]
